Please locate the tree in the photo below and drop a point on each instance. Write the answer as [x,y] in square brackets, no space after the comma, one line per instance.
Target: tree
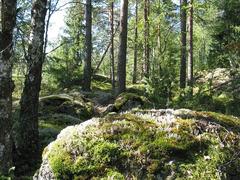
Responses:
[146,39]
[225,49]
[134,80]
[183,4]
[122,56]
[190,60]
[111,18]
[27,144]
[87,74]
[8,20]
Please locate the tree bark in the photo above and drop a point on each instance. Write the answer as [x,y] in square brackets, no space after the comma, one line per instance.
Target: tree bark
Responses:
[111,15]
[134,80]
[8,20]
[87,74]
[190,60]
[146,39]
[27,144]
[122,56]
[183,4]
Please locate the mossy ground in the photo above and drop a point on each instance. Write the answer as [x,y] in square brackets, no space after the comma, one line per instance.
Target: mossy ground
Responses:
[128,146]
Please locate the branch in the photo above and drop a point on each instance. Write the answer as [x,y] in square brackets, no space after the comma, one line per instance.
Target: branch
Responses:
[105,52]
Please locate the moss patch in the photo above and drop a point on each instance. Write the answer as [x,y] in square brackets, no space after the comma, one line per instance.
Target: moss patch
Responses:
[141,147]
[122,144]
[65,104]
[130,99]
[228,121]
[104,86]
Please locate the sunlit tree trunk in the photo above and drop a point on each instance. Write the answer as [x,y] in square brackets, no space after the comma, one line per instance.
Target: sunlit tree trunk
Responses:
[135,44]
[123,47]
[27,144]
[87,74]
[183,4]
[190,60]
[8,19]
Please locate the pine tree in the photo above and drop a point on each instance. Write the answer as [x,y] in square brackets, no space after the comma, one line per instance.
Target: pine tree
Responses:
[122,57]
[28,137]
[88,43]
[183,4]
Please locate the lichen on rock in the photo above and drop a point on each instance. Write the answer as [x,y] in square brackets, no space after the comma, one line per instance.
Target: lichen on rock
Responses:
[143,144]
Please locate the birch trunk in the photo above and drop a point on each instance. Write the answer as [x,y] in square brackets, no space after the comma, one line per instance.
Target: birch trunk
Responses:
[8,20]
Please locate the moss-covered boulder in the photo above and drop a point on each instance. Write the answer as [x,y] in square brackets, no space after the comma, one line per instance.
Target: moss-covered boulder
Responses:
[78,107]
[59,111]
[150,144]
[127,101]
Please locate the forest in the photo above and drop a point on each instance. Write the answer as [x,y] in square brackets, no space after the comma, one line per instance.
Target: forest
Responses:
[120,89]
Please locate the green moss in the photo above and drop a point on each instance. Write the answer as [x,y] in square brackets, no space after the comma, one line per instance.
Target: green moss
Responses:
[123,98]
[77,107]
[114,174]
[125,143]
[61,161]
[139,89]
[225,120]
[101,86]
[212,163]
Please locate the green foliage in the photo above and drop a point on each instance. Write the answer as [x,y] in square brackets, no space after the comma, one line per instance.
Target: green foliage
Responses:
[225,49]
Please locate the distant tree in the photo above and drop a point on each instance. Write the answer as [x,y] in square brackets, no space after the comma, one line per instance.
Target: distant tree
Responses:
[190,60]
[134,80]
[87,74]
[225,49]
[183,4]
[8,20]
[27,132]
[122,56]
[111,19]
[146,39]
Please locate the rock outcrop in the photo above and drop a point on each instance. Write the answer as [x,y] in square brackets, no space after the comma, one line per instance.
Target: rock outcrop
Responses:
[148,144]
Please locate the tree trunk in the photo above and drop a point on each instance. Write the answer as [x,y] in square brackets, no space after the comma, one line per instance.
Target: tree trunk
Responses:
[87,74]
[190,60]
[8,19]
[111,15]
[27,144]
[122,56]
[146,39]
[135,45]
[183,4]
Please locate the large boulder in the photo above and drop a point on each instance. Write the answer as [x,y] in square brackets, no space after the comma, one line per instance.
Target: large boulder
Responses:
[59,111]
[149,144]
[127,101]
[75,106]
